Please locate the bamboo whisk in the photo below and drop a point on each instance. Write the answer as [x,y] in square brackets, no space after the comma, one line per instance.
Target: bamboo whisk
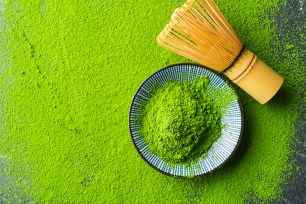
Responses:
[199,31]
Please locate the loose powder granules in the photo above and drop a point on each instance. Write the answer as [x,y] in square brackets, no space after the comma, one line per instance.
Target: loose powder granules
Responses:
[68,72]
[181,121]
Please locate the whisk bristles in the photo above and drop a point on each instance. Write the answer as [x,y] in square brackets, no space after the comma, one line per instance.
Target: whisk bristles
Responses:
[199,31]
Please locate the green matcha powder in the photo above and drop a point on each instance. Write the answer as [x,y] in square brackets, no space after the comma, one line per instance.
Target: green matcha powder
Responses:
[181,121]
[68,72]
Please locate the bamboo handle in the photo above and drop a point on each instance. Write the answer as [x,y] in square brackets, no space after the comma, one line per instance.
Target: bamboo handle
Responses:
[255,77]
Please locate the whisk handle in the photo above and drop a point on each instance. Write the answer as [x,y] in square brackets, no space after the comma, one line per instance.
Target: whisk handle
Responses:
[255,77]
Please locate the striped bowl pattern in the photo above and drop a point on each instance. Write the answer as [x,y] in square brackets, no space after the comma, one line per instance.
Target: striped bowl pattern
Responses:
[220,151]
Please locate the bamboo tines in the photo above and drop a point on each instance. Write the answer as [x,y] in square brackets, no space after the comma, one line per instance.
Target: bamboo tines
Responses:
[199,31]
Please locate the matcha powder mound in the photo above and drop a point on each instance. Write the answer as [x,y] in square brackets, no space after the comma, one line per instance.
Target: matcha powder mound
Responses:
[181,121]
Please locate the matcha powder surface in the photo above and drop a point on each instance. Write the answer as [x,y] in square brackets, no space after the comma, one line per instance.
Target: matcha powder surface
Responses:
[181,121]
[68,72]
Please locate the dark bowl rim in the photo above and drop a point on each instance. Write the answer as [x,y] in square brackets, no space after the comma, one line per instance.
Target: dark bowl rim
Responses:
[229,83]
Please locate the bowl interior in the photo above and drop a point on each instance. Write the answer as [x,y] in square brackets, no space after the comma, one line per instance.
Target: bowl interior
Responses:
[220,151]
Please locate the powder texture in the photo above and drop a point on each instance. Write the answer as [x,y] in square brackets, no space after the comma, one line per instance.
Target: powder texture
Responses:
[181,121]
[69,70]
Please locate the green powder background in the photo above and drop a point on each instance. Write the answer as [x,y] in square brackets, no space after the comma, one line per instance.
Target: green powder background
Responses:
[69,70]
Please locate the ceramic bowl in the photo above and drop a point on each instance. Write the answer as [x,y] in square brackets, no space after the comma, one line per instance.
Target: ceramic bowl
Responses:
[221,150]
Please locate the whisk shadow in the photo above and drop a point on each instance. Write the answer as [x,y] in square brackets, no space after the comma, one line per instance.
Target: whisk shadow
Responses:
[283,98]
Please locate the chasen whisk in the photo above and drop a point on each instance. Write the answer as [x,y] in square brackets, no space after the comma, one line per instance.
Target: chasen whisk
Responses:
[199,31]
